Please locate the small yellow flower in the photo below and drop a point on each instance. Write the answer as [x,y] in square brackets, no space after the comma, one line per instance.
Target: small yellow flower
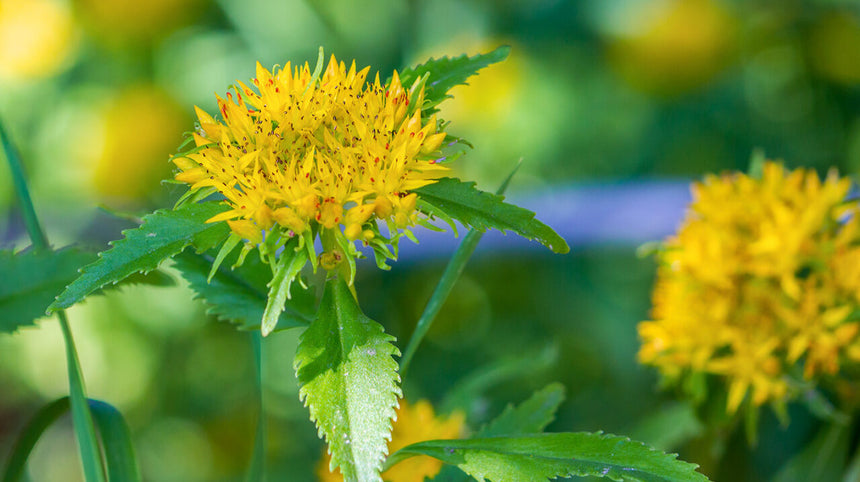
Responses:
[762,276]
[413,424]
[309,154]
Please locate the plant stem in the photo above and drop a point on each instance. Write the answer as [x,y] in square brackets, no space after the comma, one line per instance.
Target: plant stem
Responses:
[257,470]
[31,221]
[81,417]
[449,278]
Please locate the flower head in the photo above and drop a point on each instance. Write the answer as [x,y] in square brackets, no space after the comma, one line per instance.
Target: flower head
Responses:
[412,424]
[761,278]
[295,153]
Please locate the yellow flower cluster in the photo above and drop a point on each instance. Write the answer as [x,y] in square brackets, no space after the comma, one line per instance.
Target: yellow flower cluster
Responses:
[762,277]
[300,150]
[412,424]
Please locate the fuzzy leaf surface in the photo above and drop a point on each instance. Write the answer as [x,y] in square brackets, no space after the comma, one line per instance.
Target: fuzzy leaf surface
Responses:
[349,382]
[32,278]
[481,210]
[446,73]
[162,235]
[239,295]
[545,456]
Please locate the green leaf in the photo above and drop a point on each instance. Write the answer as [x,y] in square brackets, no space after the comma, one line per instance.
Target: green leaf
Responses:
[482,210]
[528,363]
[668,427]
[349,382]
[163,234]
[456,266]
[29,435]
[120,459]
[531,416]
[239,295]
[824,458]
[445,73]
[289,266]
[232,241]
[116,439]
[32,278]
[821,407]
[91,459]
[544,456]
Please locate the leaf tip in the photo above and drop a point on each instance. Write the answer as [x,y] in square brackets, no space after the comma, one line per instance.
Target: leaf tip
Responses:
[560,247]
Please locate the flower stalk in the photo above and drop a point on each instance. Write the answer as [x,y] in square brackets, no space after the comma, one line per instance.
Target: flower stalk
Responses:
[81,417]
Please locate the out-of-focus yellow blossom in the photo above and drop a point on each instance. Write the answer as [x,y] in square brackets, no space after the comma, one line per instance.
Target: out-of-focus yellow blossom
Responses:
[413,424]
[140,125]
[122,21]
[763,275]
[834,47]
[36,38]
[674,46]
[316,154]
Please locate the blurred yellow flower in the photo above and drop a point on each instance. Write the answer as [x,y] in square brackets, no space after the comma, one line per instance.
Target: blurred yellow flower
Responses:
[140,125]
[125,20]
[413,424]
[302,152]
[762,276]
[36,38]
[674,46]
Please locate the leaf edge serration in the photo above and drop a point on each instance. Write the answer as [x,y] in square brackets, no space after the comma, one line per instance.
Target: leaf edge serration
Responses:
[203,211]
[393,393]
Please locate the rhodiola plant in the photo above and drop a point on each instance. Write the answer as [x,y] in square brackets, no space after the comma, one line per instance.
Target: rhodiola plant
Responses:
[301,174]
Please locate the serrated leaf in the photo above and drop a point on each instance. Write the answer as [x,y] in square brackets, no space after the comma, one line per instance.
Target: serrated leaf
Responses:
[482,210]
[531,416]
[30,281]
[238,295]
[545,456]
[349,382]
[162,235]
[445,73]
[32,278]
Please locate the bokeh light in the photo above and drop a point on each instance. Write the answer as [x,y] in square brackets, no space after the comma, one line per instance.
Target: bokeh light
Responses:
[37,38]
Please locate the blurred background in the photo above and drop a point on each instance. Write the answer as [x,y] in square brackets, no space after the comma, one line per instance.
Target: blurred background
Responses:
[613,105]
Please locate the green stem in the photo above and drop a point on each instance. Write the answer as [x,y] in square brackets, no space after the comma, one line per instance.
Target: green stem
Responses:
[257,470]
[81,417]
[452,273]
[446,284]
[31,221]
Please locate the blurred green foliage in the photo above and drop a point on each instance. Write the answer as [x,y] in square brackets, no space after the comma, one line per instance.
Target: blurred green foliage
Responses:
[97,93]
